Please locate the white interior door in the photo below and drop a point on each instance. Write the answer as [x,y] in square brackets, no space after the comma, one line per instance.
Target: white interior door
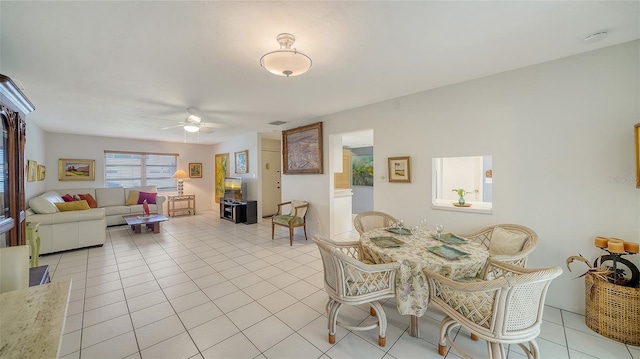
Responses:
[271,192]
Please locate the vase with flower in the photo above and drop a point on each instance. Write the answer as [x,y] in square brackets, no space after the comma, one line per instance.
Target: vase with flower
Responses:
[461,193]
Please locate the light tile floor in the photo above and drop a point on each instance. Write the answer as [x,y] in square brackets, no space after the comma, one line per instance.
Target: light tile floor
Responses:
[209,288]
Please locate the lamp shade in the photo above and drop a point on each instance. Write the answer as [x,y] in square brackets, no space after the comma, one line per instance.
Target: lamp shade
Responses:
[286,61]
[180,175]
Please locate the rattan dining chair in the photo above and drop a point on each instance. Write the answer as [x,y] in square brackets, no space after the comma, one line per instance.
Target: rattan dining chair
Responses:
[366,221]
[347,280]
[504,310]
[509,243]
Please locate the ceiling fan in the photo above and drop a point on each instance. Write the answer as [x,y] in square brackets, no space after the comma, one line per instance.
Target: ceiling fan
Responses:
[193,123]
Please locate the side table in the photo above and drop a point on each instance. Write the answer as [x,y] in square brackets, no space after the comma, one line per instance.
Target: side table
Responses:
[189,199]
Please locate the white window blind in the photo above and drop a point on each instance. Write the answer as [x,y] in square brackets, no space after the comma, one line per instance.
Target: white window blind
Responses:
[131,169]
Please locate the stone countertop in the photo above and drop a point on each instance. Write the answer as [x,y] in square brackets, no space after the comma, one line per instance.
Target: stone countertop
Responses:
[32,320]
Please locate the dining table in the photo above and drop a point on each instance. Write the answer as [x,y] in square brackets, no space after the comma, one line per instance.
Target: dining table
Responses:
[457,258]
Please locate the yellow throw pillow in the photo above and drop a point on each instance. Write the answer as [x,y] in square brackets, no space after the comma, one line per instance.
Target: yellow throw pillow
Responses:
[72,206]
[133,197]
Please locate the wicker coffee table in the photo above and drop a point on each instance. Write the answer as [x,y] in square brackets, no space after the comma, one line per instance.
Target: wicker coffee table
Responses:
[151,221]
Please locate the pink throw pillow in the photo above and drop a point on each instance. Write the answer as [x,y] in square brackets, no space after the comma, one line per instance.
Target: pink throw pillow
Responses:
[149,196]
[68,198]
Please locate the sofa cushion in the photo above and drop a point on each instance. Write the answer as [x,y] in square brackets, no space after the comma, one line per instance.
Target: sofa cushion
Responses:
[150,197]
[110,196]
[90,200]
[73,206]
[68,198]
[41,205]
[504,242]
[132,198]
[117,210]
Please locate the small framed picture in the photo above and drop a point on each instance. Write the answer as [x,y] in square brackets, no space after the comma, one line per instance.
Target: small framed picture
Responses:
[242,161]
[32,170]
[195,170]
[76,170]
[42,171]
[400,169]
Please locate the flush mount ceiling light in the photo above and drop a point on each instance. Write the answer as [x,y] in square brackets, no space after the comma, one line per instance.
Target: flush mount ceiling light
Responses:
[286,61]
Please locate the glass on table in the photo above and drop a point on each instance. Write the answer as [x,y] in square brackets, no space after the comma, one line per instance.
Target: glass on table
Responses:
[439,230]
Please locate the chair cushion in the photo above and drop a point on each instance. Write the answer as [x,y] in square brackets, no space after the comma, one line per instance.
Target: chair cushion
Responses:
[284,219]
[504,242]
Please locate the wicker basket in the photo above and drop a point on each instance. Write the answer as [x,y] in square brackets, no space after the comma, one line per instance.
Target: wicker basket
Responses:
[612,310]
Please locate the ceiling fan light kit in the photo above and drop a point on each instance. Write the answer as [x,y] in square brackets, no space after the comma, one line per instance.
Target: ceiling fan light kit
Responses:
[287,61]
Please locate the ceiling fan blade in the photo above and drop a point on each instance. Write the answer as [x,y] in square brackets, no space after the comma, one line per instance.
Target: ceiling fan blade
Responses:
[166,128]
[206,129]
[212,125]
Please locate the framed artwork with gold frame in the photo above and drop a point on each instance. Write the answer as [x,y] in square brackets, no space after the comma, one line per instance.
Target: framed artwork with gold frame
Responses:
[195,170]
[302,149]
[42,171]
[32,171]
[400,169]
[222,170]
[76,170]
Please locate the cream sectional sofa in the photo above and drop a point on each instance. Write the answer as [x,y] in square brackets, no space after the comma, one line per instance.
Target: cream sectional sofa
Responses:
[61,231]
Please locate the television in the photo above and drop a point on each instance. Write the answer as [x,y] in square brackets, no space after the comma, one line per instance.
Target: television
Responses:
[233,189]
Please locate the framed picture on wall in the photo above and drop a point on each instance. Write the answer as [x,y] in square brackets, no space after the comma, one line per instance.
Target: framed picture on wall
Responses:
[242,161]
[302,149]
[400,169]
[42,171]
[32,170]
[195,170]
[76,170]
[222,168]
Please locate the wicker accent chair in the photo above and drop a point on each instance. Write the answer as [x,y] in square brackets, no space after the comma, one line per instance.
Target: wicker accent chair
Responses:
[509,243]
[366,221]
[504,310]
[295,218]
[347,280]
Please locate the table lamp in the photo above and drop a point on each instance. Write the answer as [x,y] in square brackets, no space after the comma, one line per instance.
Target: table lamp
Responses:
[180,176]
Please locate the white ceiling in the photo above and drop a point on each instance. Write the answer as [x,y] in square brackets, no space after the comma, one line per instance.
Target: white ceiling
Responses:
[127,69]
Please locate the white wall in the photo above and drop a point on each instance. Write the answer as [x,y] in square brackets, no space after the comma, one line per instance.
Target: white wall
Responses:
[59,145]
[561,136]
[35,150]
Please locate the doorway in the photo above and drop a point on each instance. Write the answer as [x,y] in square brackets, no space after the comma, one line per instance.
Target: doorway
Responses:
[271,188]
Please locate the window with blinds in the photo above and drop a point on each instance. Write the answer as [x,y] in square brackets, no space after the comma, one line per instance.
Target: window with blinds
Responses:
[132,169]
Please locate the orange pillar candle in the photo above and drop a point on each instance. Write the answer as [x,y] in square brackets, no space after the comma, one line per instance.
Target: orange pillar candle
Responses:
[615,247]
[601,242]
[631,247]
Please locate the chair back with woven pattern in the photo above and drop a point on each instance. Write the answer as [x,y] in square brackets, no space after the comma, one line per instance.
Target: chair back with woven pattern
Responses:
[366,221]
[485,235]
[507,309]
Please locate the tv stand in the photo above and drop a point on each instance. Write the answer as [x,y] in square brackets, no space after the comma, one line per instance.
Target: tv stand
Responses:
[239,212]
